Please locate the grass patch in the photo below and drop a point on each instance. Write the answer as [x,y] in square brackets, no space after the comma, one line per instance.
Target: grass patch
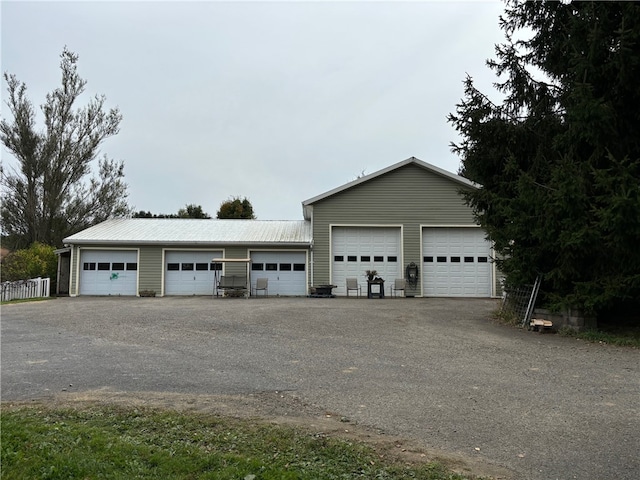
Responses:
[622,334]
[122,443]
[25,300]
[628,337]
[506,316]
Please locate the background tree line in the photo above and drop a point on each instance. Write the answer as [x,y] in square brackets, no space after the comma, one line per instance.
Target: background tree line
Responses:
[233,208]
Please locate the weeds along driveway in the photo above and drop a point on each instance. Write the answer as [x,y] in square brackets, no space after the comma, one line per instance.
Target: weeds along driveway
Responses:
[437,371]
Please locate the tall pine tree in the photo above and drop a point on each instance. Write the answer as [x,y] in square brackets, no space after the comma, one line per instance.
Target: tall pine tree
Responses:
[559,157]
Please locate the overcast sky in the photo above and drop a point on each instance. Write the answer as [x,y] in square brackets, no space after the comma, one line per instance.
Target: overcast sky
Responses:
[275,101]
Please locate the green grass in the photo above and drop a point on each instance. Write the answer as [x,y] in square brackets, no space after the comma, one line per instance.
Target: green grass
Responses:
[628,337]
[25,300]
[118,443]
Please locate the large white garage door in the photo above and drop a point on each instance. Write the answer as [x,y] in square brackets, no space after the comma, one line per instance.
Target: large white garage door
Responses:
[286,272]
[456,263]
[357,249]
[189,272]
[108,272]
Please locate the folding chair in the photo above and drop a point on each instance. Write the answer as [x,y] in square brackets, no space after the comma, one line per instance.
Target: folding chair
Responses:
[352,284]
[262,284]
[399,285]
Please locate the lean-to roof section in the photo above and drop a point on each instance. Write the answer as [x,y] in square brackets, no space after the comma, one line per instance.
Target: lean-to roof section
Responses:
[179,231]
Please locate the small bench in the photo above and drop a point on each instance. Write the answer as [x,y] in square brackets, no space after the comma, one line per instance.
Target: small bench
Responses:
[234,283]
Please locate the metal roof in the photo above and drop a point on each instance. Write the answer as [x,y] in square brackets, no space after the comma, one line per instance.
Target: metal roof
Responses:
[186,231]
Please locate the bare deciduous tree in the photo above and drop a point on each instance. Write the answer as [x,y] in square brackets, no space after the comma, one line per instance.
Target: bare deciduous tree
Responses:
[51,193]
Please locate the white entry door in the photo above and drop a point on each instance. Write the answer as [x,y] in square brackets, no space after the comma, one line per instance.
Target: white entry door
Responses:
[358,249]
[456,262]
[190,272]
[285,271]
[108,272]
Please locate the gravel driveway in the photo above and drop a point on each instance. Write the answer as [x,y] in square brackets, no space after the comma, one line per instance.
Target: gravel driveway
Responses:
[433,371]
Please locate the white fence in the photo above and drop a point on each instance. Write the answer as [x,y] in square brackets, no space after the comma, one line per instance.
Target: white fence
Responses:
[33,288]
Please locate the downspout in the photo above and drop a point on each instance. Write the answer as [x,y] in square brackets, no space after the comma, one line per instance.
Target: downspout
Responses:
[311,260]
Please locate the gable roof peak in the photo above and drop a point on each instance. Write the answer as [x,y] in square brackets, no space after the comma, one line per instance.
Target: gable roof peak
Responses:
[365,178]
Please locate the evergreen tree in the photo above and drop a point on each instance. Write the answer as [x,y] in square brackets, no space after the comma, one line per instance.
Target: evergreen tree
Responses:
[558,159]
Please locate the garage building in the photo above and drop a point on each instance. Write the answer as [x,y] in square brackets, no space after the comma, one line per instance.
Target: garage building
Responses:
[408,220]
[175,256]
[409,214]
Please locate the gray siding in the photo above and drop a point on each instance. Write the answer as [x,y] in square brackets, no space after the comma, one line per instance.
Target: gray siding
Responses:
[410,196]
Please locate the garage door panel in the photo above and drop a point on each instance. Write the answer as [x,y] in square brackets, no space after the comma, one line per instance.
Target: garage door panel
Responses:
[357,249]
[108,272]
[190,272]
[456,262]
[285,271]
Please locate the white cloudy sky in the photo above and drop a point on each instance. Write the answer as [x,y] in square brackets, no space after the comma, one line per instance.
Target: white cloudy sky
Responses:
[275,101]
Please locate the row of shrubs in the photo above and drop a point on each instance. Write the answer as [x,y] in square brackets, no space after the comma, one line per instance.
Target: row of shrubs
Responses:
[39,260]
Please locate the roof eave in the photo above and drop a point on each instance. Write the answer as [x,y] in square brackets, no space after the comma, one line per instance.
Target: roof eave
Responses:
[412,160]
[134,243]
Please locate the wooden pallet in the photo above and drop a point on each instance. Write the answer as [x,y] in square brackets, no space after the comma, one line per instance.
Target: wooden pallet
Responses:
[540,325]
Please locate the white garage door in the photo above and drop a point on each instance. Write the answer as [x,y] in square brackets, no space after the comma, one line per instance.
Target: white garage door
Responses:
[456,263]
[286,272]
[189,272]
[108,272]
[357,249]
